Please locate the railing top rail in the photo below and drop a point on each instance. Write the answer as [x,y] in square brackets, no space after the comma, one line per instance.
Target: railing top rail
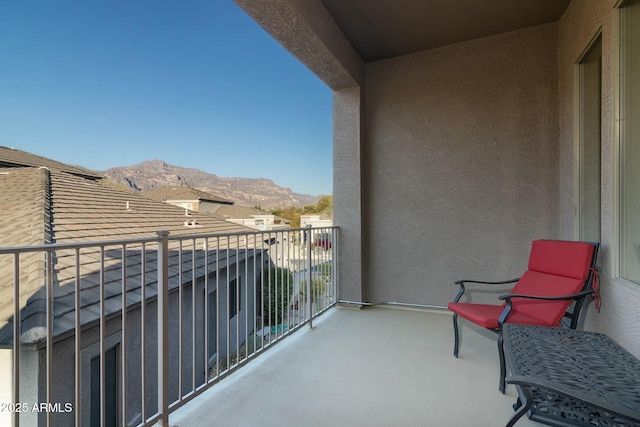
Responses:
[75,245]
[103,243]
[247,233]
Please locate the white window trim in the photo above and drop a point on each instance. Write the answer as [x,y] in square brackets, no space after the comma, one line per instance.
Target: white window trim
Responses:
[577,134]
[615,185]
[617,145]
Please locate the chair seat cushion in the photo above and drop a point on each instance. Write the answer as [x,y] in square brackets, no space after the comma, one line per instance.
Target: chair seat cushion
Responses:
[486,315]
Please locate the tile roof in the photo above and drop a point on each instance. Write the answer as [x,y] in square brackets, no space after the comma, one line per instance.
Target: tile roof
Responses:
[25,214]
[87,211]
[12,157]
[24,221]
[237,212]
[182,193]
[49,205]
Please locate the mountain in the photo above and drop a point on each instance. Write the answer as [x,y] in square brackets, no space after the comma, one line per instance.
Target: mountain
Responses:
[242,191]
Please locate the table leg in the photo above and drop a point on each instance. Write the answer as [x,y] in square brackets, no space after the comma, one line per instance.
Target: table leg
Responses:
[524,408]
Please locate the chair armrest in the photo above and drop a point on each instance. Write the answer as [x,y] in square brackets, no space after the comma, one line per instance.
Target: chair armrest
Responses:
[509,303]
[538,297]
[462,283]
[502,282]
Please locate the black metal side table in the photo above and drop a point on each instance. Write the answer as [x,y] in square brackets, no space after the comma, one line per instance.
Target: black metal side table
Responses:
[567,377]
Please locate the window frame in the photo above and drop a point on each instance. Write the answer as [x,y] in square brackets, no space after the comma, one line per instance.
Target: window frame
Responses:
[579,137]
[88,354]
[235,297]
[618,145]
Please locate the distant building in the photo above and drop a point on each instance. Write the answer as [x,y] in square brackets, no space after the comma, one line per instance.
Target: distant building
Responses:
[318,238]
[315,221]
[188,198]
[263,222]
[201,201]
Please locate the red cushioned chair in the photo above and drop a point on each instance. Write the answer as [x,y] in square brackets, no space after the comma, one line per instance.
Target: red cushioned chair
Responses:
[561,274]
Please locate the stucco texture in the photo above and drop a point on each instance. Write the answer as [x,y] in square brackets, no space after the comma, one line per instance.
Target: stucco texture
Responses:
[581,23]
[347,158]
[449,162]
[461,144]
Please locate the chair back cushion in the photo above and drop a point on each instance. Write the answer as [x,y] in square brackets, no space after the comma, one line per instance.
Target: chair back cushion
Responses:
[561,258]
[556,268]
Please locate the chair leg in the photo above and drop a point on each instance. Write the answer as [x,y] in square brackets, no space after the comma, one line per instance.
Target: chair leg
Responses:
[456,335]
[503,368]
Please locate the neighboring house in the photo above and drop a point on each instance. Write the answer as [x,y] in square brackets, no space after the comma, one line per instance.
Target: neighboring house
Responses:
[263,222]
[57,203]
[315,221]
[188,198]
[253,217]
[257,219]
[280,248]
[318,238]
[201,201]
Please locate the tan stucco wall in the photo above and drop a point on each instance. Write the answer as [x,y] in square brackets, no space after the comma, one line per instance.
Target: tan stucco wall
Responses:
[447,163]
[461,149]
[620,315]
[308,32]
[347,192]
[6,385]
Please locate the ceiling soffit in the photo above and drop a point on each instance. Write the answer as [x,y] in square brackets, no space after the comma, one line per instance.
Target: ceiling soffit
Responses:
[383,29]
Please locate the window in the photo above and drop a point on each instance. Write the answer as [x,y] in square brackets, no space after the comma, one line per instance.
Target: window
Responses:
[235,297]
[589,131]
[110,385]
[629,142]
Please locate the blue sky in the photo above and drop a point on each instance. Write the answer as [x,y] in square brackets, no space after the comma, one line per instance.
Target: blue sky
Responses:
[196,83]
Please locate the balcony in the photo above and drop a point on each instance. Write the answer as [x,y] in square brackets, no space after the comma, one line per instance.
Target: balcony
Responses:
[210,354]
[379,366]
[124,332]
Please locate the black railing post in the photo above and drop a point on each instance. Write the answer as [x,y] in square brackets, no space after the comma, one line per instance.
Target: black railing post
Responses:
[163,328]
[309,254]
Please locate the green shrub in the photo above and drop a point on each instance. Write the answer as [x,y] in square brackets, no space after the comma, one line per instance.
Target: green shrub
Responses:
[318,288]
[276,293]
[325,270]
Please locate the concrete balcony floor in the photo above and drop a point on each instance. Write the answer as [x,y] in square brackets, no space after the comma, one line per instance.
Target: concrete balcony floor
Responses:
[379,366]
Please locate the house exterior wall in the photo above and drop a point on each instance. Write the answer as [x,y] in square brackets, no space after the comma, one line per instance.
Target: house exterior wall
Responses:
[462,163]
[314,221]
[348,194]
[6,383]
[619,316]
[447,163]
[192,206]
[27,394]
[63,374]
[207,206]
[260,222]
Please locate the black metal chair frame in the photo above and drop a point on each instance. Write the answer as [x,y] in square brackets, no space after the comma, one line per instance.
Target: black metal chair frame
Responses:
[572,313]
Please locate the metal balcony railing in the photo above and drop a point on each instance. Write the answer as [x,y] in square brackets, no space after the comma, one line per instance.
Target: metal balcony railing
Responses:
[124,332]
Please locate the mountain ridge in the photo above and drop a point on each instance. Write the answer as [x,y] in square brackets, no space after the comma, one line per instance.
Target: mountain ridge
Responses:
[261,192]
